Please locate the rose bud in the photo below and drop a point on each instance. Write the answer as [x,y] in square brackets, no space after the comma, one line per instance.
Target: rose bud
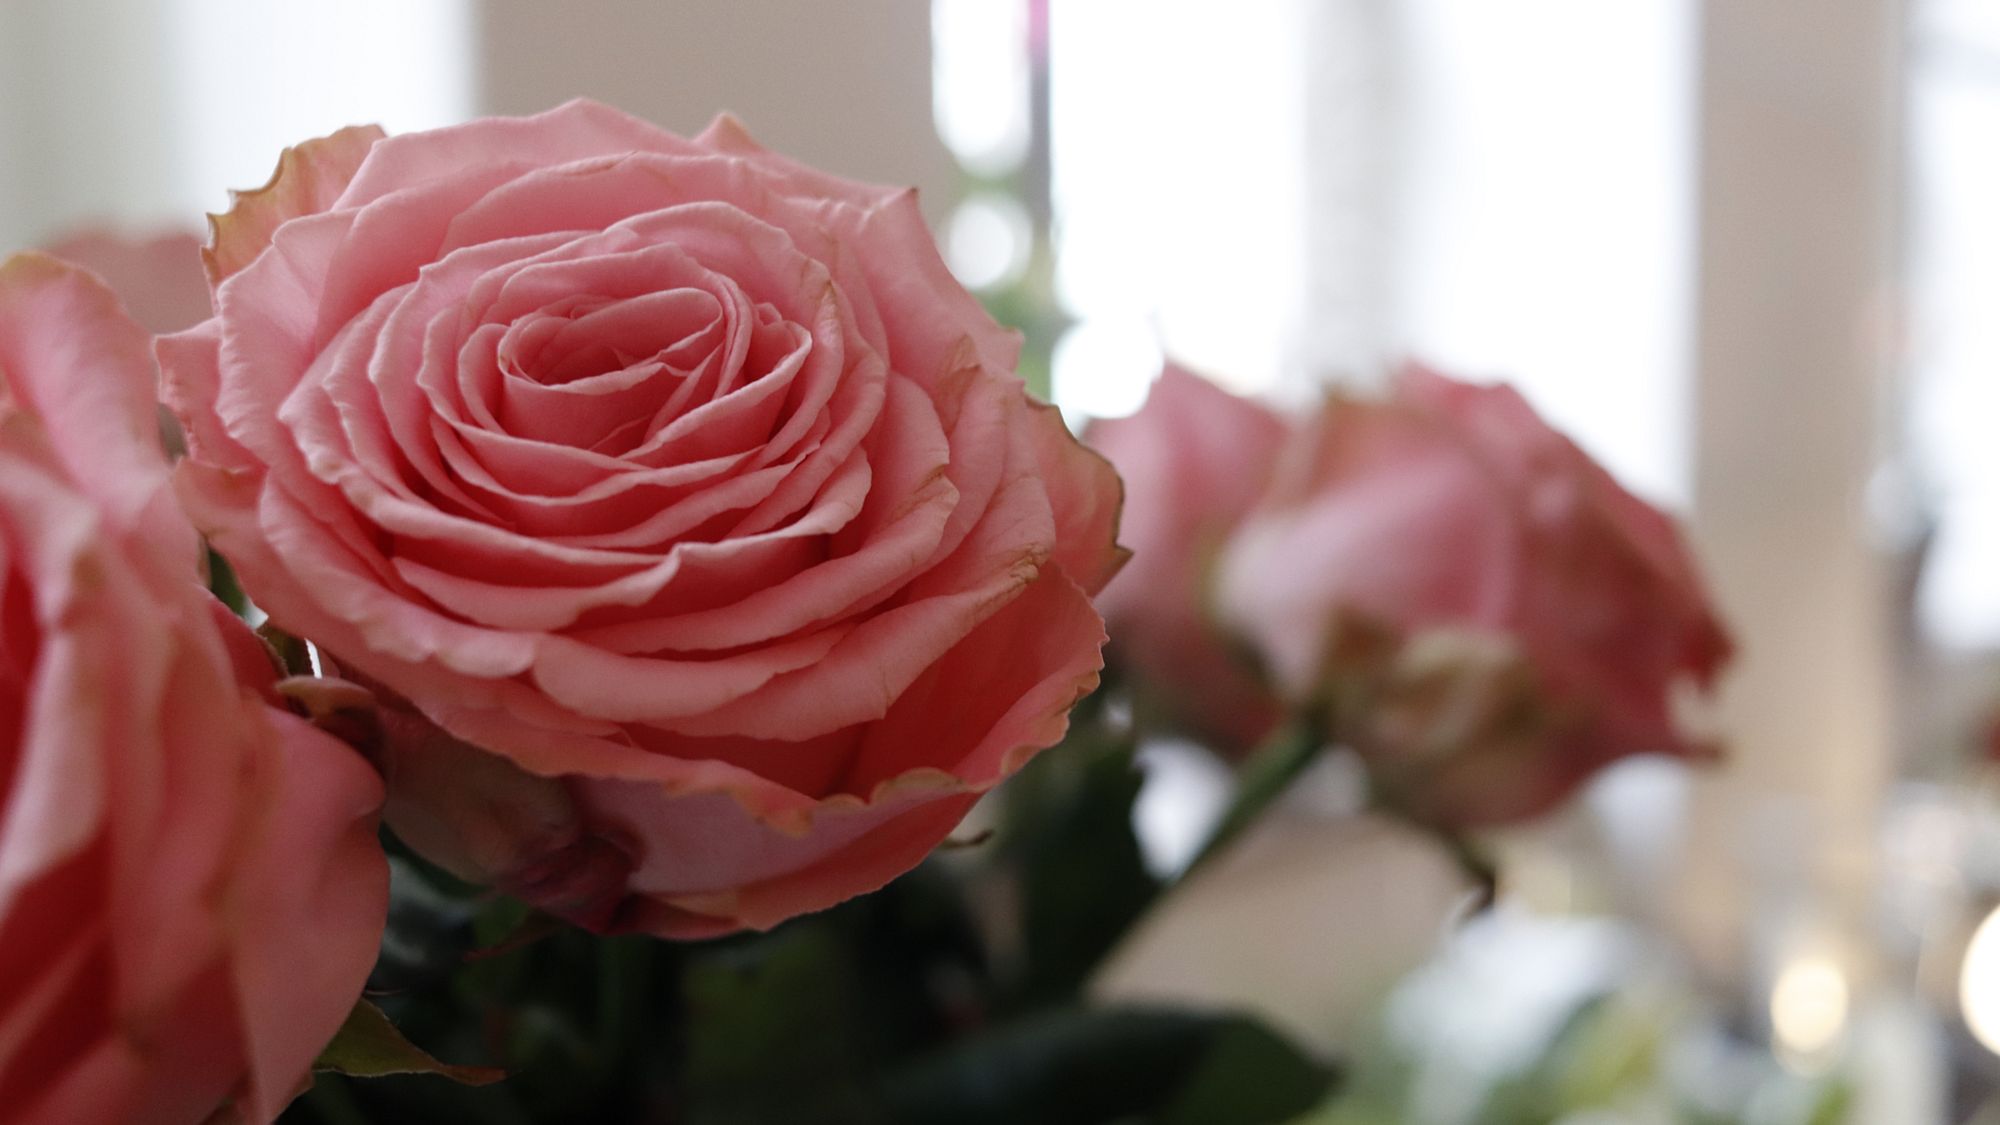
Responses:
[1569,612]
[1194,460]
[191,890]
[675,479]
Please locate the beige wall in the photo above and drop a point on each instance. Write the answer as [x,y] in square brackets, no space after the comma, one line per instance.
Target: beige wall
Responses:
[86,117]
[845,86]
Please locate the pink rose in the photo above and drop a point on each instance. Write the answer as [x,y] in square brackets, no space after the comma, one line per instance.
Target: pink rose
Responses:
[191,892]
[1538,618]
[712,555]
[1194,459]
[158,277]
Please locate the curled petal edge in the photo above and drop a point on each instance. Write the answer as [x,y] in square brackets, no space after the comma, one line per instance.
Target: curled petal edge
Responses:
[309,177]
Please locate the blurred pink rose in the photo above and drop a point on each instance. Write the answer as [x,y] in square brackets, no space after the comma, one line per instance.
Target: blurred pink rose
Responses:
[158,276]
[691,515]
[191,892]
[1521,619]
[1194,460]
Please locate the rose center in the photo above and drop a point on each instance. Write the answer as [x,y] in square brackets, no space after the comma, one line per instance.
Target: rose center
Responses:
[588,338]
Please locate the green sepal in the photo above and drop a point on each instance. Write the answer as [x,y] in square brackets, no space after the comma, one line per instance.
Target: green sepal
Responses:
[368,1045]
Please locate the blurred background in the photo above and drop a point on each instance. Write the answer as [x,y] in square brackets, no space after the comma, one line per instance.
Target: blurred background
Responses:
[1746,252]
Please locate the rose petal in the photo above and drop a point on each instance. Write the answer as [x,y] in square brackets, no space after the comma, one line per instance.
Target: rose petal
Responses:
[308,178]
[158,278]
[70,355]
[313,894]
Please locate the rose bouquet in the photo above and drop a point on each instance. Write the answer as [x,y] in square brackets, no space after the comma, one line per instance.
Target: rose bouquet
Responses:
[659,541]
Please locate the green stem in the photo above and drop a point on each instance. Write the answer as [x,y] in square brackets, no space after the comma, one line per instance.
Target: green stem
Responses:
[1269,772]
[1279,761]
[1478,867]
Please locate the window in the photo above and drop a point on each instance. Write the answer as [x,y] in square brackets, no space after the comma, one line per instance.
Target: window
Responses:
[1954,278]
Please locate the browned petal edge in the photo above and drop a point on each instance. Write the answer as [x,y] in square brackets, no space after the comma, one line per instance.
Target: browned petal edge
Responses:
[309,177]
[1111,555]
[1046,731]
[28,267]
[728,133]
[1077,527]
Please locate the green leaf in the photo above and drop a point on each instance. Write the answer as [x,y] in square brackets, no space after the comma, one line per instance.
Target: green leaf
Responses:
[1835,1105]
[1083,880]
[222,583]
[784,1003]
[1248,1074]
[289,650]
[507,925]
[1607,1050]
[1078,1067]
[369,1046]
[1265,777]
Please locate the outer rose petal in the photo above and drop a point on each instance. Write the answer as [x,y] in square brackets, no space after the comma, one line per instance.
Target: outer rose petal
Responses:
[54,800]
[310,176]
[1088,498]
[1195,459]
[160,279]
[714,865]
[866,864]
[728,134]
[313,893]
[70,355]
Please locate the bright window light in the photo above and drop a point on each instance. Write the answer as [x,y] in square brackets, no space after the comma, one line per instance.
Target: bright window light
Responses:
[1968,25]
[1549,214]
[1187,791]
[1178,195]
[1103,368]
[1955,338]
[252,77]
[979,81]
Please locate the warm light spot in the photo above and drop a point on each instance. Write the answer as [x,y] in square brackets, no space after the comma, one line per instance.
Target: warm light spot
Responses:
[1179,187]
[987,241]
[1808,1009]
[1979,983]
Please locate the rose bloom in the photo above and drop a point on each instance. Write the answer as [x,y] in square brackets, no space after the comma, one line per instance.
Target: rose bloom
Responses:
[1517,619]
[191,891]
[711,557]
[1194,460]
